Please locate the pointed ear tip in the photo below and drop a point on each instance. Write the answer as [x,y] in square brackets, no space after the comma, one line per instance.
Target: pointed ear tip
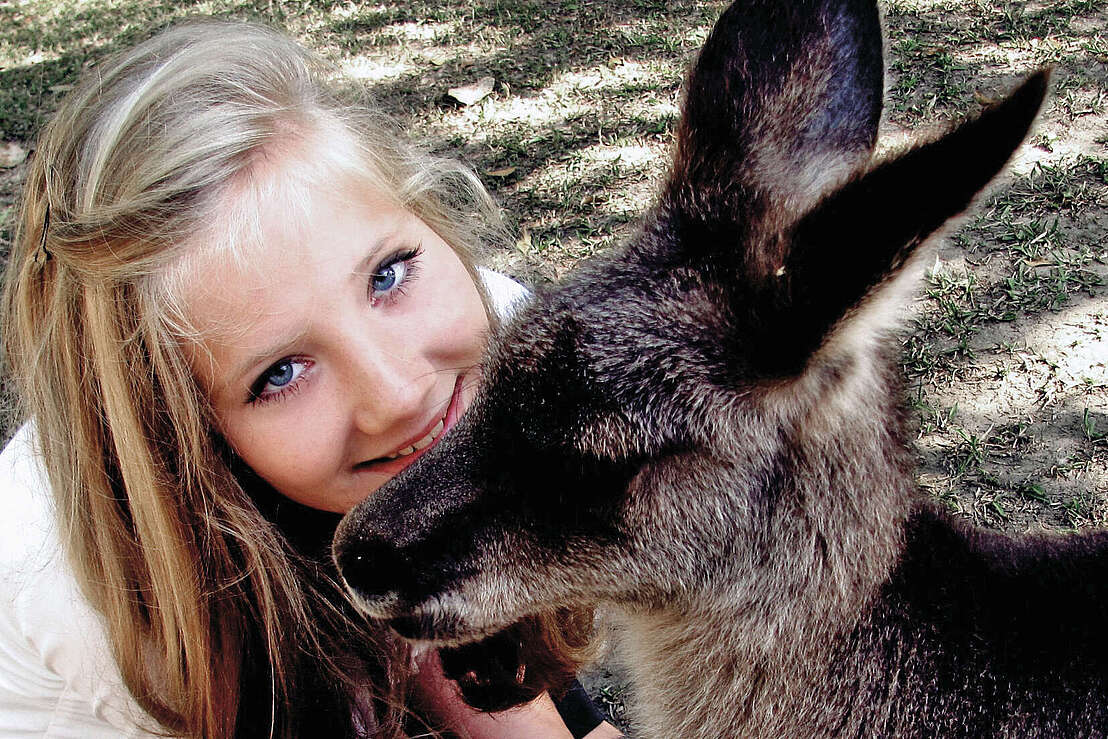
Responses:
[1026,101]
[1035,87]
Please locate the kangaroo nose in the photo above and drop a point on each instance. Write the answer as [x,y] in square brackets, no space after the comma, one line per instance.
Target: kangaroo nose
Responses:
[373,570]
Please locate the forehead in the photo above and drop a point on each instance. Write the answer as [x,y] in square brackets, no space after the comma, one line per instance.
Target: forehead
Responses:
[273,258]
[274,202]
[280,196]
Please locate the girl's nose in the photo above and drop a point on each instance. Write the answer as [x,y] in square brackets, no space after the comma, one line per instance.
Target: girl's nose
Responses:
[390,390]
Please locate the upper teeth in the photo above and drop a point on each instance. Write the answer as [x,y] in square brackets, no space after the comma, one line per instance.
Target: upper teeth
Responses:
[421,444]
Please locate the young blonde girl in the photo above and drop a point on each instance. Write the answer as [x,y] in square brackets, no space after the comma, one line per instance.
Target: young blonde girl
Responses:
[160,581]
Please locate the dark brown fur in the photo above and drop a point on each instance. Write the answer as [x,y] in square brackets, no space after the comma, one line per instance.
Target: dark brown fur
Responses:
[704,431]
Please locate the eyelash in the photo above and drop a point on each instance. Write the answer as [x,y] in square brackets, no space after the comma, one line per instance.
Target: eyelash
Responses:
[257,395]
[408,257]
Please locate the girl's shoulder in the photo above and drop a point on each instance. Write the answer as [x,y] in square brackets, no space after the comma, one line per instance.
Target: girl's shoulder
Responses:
[56,668]
[28,531]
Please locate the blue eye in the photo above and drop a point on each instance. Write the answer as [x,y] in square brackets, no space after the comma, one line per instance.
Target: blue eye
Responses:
[280,374]
[278,378]
[387,278]
[393,273]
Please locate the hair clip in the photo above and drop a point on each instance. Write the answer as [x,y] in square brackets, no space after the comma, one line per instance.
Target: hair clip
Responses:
[42,254]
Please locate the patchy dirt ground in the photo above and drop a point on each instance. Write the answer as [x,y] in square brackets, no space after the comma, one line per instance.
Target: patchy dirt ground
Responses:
[1007,362]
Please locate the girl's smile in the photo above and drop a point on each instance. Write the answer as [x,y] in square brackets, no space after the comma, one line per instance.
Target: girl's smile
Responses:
[393,463]
[341,348]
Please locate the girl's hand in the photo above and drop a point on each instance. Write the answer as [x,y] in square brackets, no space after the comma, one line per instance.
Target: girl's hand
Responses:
[538,719]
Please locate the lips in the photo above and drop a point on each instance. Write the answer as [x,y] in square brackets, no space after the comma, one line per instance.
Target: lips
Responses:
[393,463]
[422,443]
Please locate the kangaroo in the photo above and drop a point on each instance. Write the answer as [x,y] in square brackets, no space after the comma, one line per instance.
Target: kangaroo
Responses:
[703,430]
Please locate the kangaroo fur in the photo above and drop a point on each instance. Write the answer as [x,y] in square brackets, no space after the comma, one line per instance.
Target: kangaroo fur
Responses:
[704,431]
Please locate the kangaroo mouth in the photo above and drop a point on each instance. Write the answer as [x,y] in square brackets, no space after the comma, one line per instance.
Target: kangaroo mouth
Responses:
[416,627]
[440,630]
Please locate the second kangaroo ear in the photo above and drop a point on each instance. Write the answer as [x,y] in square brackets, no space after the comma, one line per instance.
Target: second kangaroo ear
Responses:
[855,242]
[783,103]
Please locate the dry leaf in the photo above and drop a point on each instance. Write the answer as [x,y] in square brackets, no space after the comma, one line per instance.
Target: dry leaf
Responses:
[470,94]
[11,154]
[523,245]
[502,172]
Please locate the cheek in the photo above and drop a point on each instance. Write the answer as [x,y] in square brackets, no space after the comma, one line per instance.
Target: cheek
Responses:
[288,450]
[466,336]
[454,323]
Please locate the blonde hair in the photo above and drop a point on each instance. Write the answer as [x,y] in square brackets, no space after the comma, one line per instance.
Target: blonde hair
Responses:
[217,621]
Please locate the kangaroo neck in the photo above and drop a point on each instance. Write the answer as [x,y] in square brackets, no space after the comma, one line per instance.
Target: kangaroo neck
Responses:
[758,636]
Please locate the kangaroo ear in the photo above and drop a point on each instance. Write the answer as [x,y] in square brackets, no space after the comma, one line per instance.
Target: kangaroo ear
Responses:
[783,103]
[845,254]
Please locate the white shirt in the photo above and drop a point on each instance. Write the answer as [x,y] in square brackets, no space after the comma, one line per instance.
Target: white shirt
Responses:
[58,678]
[57,675]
